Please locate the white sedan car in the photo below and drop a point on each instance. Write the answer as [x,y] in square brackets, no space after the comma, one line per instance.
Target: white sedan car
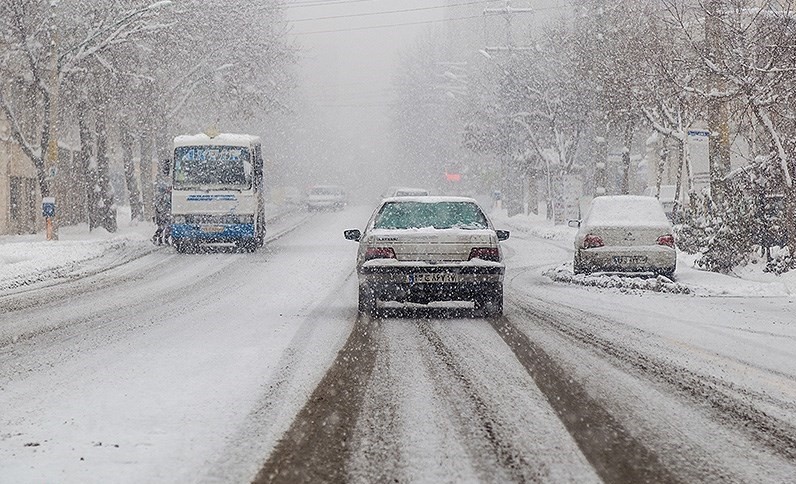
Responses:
[326,197]
[625,233]
[424,249]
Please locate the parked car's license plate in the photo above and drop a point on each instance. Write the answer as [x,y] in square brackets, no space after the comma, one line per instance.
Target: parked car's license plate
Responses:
[212,229]
[432,278]
[629,260]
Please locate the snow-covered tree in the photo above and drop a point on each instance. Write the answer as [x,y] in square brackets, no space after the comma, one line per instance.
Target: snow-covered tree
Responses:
[745,51]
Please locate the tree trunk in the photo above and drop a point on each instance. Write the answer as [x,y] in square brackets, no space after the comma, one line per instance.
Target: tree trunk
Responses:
[790,218]
[131,181]
[628,142]
[147,184]
[662,164]
[106,212]
[681,161]
[601,161]
[87,181]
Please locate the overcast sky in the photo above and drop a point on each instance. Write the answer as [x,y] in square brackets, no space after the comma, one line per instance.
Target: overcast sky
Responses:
[346,75]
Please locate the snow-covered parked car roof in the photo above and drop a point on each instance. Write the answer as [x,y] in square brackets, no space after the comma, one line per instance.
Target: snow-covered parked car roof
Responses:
[625,210]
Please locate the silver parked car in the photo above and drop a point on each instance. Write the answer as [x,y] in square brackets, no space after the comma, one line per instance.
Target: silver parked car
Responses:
[625,233]
[424,249]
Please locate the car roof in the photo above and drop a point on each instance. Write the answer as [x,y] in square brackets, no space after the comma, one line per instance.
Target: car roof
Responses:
[621,210]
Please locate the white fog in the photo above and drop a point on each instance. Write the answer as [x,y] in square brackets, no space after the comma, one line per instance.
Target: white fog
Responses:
[421,241]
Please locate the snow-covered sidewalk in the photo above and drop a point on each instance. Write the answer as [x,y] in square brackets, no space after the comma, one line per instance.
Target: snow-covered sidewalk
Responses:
[28,261]
[748,281]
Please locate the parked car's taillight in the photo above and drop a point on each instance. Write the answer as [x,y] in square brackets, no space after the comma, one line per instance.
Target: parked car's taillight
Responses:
[591,241]
[379,253]
[667,240]
[485,253]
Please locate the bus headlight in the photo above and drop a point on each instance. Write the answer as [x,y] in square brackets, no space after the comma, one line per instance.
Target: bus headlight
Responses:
[245,219]
[178,219]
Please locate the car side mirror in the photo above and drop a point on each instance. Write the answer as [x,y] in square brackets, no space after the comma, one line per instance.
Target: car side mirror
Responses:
[353,234]
[165,167]
[502,234]
[574,224]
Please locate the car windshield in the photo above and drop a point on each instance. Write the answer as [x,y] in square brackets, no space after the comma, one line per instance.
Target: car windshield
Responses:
[439,215]
[212,166]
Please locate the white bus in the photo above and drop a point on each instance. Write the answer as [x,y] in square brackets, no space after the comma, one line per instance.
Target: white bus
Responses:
[217,191]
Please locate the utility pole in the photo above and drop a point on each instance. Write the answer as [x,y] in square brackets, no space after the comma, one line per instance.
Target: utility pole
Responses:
[51,158]
[513,180]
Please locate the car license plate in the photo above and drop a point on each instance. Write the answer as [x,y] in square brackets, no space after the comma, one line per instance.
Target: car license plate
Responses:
[630,260]
[433,278]
[212,229]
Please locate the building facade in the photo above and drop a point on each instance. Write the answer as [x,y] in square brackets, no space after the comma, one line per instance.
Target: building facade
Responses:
[20,201]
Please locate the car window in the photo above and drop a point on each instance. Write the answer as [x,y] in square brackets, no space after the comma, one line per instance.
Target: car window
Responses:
[440,215]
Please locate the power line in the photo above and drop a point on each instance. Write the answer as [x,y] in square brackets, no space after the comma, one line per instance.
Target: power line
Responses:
[384,26]
[386,12]
[316,3]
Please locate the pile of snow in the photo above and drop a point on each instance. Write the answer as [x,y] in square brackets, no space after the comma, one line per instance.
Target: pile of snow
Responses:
[630,282]
[749,281]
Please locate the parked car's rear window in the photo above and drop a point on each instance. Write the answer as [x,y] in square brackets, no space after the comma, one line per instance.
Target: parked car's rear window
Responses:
[439,215]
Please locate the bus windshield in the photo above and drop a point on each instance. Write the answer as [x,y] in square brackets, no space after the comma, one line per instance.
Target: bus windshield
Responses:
[212,167]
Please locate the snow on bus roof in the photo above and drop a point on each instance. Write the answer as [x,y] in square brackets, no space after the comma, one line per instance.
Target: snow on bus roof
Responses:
[223,139]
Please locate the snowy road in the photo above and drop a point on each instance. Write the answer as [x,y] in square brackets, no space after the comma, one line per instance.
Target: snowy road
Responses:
[174,367]
[223,367]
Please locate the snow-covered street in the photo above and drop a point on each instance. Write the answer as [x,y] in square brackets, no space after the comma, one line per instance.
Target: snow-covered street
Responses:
[397,241]
[223,367]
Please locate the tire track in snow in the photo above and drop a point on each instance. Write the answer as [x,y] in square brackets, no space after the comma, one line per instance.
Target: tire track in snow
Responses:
[615,454]
[515,465]
[317,446]
[720,395]
[284,394]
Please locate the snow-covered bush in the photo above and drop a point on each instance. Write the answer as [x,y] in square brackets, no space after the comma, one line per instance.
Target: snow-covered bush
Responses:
[781,261]
[722,233]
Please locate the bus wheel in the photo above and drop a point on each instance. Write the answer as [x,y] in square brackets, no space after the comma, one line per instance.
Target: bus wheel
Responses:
[247,245]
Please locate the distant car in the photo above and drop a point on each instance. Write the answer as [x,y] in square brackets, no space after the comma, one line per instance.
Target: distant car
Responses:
[326,197]
[625,233]
[424,249]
